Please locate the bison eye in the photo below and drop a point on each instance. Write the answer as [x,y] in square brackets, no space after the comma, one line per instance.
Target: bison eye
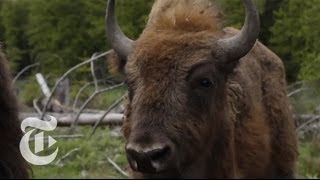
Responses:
[206,83]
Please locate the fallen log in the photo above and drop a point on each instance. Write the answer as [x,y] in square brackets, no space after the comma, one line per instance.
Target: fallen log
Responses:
[66,119]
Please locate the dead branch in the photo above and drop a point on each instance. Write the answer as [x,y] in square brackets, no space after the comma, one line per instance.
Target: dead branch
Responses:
[297,91]
[58,162]
[107,112]
[78,94]
[313,119]
[43,85]
[73,136]
[93,72]
[117,167]
[64,136]
[23,71]
[55,104]
[91,111]
[97,92]
[66,119]
[305,117]
[65,75]
[35,106]
[80,91]
[295,84]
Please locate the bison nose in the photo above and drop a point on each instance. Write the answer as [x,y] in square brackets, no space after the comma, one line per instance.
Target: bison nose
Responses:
[149,160]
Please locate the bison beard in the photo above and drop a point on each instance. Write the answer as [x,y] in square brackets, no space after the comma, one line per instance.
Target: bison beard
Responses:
[204,102]
[12,164]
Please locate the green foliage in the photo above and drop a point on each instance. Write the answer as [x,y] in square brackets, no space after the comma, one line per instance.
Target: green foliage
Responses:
[309,160]
[235,15]
[295,37]
[234,11]
[14,21]
[62,33]
[132,16]
[288,27]
[310,67]
[28,90]
[1,25]
[267,18]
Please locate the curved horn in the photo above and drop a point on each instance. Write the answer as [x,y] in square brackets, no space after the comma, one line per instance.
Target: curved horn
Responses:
[240,44]
[121,44]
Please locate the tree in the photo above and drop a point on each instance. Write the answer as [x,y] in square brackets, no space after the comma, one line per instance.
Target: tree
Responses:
[295,37]
[235,13]
[267,19]
[132,16]
[61,33]
[1,25]
[310,67]
[14,18]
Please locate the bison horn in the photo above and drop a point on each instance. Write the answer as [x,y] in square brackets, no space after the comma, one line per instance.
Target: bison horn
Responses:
[121,44]
[240,44]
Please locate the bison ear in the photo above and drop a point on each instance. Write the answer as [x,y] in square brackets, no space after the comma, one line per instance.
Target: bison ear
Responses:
[116,65]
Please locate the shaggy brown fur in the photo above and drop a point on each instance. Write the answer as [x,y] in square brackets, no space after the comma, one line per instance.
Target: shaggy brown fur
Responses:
[12,164]
[240,127]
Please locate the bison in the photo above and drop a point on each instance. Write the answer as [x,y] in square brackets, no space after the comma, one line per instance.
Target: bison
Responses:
[12,164]
[203,101]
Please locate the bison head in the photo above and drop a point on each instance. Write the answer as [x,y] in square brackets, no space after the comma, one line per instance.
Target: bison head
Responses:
[176,76]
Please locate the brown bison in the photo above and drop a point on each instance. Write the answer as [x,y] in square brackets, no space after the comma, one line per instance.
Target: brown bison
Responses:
[12,164]
[203,101]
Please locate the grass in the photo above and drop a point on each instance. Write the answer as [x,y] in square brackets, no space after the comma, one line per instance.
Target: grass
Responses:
[309,159]
[90,161]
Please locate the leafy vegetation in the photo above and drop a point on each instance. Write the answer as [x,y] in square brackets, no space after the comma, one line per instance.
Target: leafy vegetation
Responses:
[60,34]
[309,160]
[295,37]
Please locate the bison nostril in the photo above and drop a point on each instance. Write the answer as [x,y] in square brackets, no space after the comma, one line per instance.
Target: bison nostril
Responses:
[148,160]
[159,154]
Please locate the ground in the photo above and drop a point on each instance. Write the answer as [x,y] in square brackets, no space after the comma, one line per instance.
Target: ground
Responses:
[89,160]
